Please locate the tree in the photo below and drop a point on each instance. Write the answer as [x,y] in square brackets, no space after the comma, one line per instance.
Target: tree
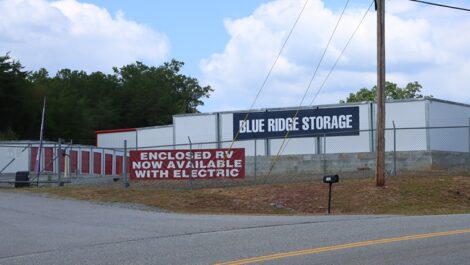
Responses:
[392,91]
[67,112]
[79,103]
[150,96]
[15,105]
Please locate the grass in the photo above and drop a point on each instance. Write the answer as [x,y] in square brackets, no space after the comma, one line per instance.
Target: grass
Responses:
[400,195]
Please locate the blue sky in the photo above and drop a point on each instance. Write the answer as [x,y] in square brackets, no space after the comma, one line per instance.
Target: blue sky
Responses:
[195,28]
[231,45]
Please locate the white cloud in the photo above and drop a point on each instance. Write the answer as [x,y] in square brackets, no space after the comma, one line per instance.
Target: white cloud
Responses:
[425,44]
[70,34]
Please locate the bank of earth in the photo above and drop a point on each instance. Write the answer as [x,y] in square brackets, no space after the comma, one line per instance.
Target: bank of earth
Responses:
[401,195]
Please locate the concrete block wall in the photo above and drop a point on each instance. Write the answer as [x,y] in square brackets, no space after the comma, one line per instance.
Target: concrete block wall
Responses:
[298,168]
[350,164]
[451,161]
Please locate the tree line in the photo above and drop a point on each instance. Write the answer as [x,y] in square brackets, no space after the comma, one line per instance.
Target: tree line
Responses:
[79,103]
[135,95]
[392,91]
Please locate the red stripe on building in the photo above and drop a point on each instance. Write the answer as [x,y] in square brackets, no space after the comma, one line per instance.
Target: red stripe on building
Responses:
[113,131]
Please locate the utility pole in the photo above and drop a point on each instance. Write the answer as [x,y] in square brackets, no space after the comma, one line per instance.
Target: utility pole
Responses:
[380,151]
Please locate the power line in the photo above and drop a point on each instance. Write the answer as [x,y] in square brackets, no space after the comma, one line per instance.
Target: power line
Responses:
[441,5]
[270,70]
[279,54]
[337,60]
[341,54]
[324,53]
[285,140]
[347,44]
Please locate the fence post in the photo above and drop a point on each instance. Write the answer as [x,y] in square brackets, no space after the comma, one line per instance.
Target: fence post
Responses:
[255,159]
[66,166]
[468,167]
[318,145]
[124,166]
[69,160]
[192,163]
[324,154]
[394,149]
[59,162]
[92,162]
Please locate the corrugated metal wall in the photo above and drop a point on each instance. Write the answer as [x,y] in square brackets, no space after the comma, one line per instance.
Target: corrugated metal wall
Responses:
[410,117]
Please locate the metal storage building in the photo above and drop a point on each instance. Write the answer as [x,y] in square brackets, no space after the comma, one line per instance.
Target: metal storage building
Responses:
[81,159]
[427,124]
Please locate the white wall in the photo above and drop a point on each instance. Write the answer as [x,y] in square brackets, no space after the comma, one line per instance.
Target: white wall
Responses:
[249,146]
[406,114]
[200,128]
[226,126]
[116,139]
[21,156]
[449,139]
[353,143]
[292,146]
[155,136]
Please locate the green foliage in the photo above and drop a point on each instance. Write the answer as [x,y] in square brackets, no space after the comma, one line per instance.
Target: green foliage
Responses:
[8,134]
[392,91]
[151,95]
[79,103]
[15,102]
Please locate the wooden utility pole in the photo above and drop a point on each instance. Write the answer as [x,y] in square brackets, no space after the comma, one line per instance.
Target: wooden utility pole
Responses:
[380,151]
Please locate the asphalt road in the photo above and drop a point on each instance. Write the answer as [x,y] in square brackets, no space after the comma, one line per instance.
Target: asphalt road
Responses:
[38,230]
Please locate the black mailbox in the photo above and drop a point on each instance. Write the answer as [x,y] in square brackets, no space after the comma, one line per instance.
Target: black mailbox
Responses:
[331,179]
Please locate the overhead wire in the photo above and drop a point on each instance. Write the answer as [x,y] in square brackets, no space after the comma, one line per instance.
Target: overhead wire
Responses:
[337,59]
[341,54]
[283,144]
[354,33]
[270,71]
[441,5]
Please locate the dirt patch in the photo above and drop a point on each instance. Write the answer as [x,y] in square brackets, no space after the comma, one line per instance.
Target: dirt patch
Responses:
[400,195]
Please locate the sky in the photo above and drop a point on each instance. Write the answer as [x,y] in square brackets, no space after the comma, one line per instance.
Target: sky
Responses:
[231,45]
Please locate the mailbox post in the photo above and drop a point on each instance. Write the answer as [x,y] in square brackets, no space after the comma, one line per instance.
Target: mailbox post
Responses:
[330,180]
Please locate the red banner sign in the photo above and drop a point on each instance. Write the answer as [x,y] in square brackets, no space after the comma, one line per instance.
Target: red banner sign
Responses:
[185,164]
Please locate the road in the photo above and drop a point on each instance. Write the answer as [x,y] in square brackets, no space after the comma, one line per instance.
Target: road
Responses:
[35,229]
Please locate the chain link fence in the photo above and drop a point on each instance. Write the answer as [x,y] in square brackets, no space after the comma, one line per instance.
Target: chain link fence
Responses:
[61,163]
[409,151]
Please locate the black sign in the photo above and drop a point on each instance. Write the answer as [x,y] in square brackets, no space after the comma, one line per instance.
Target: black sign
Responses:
[307,122]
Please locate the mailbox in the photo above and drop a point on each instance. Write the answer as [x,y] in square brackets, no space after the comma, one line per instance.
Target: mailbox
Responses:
[331,179]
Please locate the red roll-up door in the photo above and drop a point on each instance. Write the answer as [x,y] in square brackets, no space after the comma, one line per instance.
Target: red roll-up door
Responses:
[118,165]
[73,161]
[97,163]
[85,162]
[48,159]
[108,164]
[34,154]
[62,161]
